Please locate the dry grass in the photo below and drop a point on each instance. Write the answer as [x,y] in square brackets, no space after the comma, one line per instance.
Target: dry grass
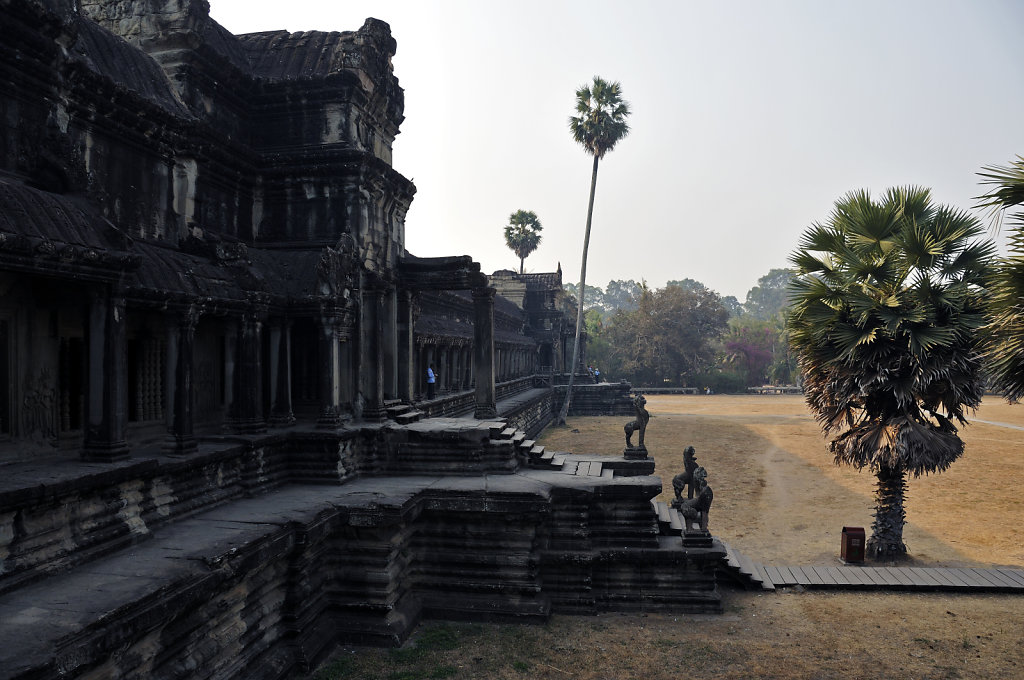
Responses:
[779,499]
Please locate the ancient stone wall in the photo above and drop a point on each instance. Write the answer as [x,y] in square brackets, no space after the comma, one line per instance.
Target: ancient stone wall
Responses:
[366,570]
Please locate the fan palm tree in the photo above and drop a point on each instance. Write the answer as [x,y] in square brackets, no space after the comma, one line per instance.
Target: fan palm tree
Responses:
[1005,332]
[598,126]
[886,304]
[522,234]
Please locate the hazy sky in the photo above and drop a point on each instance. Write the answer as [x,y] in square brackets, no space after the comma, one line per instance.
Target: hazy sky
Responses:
[749,120]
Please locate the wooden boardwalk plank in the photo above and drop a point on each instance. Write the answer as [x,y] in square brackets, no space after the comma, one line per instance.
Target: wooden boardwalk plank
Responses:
[812,576]
[787,577]
[766,581]
[952,577]
[675,520]
[746,566]
[905,578]
[730,556]
[1014,574]
[595,469]
[941,574]
[583,468]
[992,577]
[839,577]
[969,579]
[773,574]
[800,576]
[851,575]
[883,577]
[925,577]
[869,576]
[826,578]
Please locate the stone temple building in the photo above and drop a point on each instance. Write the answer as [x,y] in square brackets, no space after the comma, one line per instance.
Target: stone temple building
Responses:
[216,460]
[201,231]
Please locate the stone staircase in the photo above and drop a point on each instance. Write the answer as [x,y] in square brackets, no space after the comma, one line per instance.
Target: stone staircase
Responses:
[537,457]
[741,570]
[402,413]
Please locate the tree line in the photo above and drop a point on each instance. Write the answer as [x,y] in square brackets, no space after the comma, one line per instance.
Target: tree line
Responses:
[688,335]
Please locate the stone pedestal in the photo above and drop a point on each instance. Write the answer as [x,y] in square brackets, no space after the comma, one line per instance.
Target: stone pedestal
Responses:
[696,538]
[635,453]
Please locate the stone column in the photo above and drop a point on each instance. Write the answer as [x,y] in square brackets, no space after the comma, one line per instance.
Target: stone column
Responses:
[106,405]
[281,414]
[330,378]
[371,365]
[389,342]
[483,352]
[407,364]
[246,412]
[180,385]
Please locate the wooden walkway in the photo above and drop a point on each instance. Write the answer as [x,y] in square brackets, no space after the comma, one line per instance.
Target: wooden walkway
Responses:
[768,577]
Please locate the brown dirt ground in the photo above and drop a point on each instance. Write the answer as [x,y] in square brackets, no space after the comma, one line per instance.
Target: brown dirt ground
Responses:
[779,499]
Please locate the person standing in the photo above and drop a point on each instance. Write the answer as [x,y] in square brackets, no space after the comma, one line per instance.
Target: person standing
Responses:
[431,381]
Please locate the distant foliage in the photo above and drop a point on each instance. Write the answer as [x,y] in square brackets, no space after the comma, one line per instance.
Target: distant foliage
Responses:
[668,336]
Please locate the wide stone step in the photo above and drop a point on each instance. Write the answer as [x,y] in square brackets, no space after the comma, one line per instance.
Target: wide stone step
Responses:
[409,417]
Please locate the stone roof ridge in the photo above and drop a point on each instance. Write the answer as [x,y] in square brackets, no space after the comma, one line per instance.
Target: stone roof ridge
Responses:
[114,58]
[288,55]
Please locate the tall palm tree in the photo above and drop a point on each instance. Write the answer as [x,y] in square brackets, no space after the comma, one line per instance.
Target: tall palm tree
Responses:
[886,304]
[598,126]
[522,234]
[1004,348]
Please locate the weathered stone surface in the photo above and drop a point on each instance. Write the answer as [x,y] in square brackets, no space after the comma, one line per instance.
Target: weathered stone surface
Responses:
[360,563]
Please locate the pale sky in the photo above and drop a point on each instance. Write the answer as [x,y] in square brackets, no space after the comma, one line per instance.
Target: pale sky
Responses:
[749,120]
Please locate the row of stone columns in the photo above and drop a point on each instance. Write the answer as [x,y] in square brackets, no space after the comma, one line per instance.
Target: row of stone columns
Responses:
[514,362]
[380,374]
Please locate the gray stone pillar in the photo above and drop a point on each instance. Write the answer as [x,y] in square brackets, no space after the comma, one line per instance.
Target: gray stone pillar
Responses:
[281,413]
[106,412]
[371,365]
[407,364]
[483,352]
[389,343]
[180,386]
[245,414]
[330,378]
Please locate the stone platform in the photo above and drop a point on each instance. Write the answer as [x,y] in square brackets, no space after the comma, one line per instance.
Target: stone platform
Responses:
[255,555]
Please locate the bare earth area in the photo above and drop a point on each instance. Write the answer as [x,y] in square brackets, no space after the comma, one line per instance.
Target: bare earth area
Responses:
[780,500]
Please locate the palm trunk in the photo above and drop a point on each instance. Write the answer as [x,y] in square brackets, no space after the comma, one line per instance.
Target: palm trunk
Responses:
[579,313]
[521,265]
[886,542]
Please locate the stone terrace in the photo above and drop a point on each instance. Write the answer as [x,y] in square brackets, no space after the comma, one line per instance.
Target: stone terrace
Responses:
[256,555]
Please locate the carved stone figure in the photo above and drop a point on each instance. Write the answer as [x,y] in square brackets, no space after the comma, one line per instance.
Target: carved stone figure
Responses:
[639,425]
[685,478]
[696,509]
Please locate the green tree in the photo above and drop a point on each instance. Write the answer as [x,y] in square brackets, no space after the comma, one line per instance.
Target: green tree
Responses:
[598,126]
[522,234]
[1004,348]
[770,295]
[668,335]
[887,299]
